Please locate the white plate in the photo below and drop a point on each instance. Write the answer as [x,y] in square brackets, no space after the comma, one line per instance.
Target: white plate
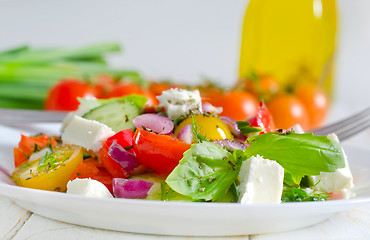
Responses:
[180,218]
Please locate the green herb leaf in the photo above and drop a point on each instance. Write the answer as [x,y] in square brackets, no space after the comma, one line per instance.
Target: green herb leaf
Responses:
[245,129]
[197,137]
[293,194]
[168,194]
[206,172]
[292,180]
[298,154]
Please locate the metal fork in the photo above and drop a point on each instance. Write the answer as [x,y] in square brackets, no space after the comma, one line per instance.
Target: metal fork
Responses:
[347,127]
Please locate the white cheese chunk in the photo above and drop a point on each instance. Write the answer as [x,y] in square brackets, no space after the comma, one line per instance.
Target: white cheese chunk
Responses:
[88,187]
[340,180]
[180,102]
[79,112]
[86,133]
[261,181]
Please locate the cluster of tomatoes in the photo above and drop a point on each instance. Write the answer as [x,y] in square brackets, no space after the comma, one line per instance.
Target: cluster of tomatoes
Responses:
[306,104]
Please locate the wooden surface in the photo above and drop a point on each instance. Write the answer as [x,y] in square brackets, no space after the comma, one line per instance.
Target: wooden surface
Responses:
[18,224]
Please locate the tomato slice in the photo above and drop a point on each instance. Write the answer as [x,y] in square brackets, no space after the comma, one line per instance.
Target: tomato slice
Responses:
[29,145]
[84,170]
[263,119]
[50,172]
[123,138]
[104,177]
[161,153]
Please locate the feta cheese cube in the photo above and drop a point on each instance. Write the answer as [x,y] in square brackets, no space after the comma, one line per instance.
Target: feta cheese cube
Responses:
[86,133]
[180,102]
[261,181]
[88,187]
[79,112]
[340,180]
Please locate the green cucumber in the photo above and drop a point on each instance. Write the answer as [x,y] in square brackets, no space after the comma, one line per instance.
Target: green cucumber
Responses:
[117,115]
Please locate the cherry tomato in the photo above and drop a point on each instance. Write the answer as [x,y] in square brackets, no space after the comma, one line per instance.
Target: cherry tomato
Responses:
[123,138]
[53,173]
[263,119]
[161,153]
[287,110]
[126,88]
[237,104]
[264,87]
[210,127]
[316,102]
[156,88]
[63,95]
[103,85]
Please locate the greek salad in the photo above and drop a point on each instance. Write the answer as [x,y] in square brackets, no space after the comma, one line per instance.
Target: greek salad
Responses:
[181,150]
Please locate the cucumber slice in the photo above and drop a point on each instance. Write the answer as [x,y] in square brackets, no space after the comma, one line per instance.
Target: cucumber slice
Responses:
[117,115]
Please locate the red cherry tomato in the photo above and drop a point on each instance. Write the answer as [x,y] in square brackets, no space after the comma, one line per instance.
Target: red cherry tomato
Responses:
[263,119]
[63,95]
[123,138]
[287,110]
[125,88]
[316,102]
[103,85]
[161,153]
[237,104]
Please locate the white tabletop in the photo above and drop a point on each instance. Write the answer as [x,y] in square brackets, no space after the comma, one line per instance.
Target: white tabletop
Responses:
[18,223]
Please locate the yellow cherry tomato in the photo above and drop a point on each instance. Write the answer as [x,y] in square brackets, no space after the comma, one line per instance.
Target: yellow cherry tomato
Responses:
[211,127]
[50,172]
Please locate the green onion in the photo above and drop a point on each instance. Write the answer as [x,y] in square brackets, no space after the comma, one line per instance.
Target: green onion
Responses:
[26,74]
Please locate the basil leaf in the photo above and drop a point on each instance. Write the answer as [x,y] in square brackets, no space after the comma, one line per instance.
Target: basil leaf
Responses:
[168,194]
[292,180]
[245,129]
[206,171]
[298,154]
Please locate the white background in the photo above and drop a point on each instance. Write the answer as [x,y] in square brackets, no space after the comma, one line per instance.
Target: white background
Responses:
[184,40]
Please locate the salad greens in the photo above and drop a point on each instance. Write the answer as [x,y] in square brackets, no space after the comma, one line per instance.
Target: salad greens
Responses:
[293,194]
[207,171]
[298,154]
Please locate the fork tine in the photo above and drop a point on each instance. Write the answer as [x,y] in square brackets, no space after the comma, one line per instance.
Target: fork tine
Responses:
[342,135]
[352,122]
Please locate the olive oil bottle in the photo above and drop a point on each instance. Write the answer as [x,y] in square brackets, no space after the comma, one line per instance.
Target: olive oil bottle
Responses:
[292,40]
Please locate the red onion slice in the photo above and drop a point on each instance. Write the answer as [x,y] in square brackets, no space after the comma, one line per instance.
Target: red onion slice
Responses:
[186,134]
[231,124]
[207,107]
[124,158]
[154,122]
[232,145]
[131,188]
